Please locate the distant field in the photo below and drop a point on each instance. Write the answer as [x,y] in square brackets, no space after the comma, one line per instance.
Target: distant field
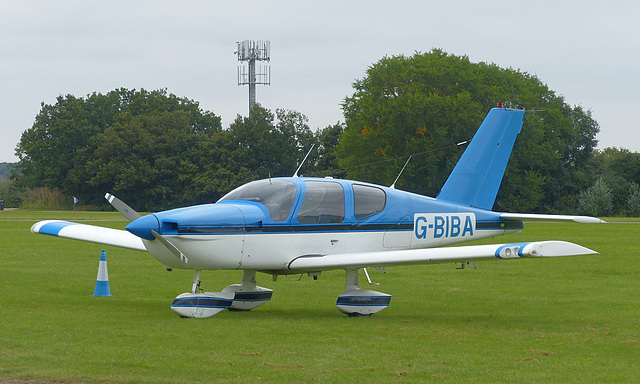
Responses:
[553,320]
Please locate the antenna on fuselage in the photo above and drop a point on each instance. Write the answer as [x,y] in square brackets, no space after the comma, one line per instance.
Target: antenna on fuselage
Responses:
[393,186]
[303,160]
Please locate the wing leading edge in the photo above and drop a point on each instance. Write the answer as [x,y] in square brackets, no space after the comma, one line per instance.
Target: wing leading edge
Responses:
[92,233]
[438,255]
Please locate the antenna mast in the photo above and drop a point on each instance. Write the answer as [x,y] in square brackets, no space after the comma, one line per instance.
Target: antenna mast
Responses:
[250,51]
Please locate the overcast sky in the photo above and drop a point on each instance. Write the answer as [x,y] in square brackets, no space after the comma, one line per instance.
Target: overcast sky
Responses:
[587,51]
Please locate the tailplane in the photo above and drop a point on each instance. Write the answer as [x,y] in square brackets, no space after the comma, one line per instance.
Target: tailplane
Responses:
[476,178]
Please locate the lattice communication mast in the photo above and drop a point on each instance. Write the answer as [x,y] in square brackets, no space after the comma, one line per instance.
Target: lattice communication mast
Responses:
[250,51]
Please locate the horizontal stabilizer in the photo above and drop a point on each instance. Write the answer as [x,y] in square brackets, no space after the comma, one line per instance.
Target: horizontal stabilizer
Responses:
[438,255]
[91,233]
[529,216]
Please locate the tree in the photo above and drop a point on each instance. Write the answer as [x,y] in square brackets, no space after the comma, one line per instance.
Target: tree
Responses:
[142,159]
[268,145]
[633,201]
[427,103]
[324,161]
[597,200]
[5,171]
[134,143]
[157,151]
[47,150]
[620,169]
[13,193]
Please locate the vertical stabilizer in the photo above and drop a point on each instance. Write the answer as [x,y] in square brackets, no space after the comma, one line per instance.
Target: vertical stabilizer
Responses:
[476,178]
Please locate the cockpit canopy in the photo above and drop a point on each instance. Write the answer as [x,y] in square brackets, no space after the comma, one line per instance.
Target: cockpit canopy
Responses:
[323,201]
[276,195]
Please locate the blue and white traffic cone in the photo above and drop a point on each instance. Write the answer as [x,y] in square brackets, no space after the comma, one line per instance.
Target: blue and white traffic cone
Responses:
[102,283]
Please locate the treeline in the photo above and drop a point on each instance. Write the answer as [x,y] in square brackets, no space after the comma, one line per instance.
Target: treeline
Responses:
[158,151]
[5,171]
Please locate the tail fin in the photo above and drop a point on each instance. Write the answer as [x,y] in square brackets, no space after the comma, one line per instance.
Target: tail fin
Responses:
[476,178]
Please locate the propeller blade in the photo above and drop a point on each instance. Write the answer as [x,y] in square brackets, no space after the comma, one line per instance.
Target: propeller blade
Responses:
[170,246]
[122,207]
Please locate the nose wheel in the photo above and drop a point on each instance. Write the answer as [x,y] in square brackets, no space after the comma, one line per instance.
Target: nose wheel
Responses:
[236,297]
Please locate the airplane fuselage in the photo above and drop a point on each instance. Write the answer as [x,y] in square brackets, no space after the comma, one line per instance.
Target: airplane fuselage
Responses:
[265,224]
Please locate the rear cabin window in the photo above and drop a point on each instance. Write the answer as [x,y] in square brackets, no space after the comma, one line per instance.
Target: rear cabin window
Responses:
[323,203]
[368,201]
[276,195]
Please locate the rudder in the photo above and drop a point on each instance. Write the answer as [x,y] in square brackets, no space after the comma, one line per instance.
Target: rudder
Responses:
[477,176]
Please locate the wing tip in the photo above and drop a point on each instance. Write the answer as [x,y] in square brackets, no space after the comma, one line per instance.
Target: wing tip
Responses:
[556,248]
[588,220]
[536,216]
[50,227]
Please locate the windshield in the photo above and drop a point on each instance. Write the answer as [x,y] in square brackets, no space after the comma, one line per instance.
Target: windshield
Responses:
[276,195]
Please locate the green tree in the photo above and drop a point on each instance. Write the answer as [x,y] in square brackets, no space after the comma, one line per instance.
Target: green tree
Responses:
[142,159]
[157,151]
[13,193]
[325,160]
[47,150]
[133,143]
[426,103]
[5,171]
[268,145]
[633,201]
[597,200]
[620,169]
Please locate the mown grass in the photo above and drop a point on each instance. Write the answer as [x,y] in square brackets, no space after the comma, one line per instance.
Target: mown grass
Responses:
[552,320]
[36,215]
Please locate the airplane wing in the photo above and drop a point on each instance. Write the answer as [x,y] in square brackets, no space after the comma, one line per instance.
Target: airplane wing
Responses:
[438,255]
[92,233]
[535,216]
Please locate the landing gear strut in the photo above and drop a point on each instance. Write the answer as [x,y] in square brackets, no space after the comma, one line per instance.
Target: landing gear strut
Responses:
[360,302]
[236,297]
[247,294]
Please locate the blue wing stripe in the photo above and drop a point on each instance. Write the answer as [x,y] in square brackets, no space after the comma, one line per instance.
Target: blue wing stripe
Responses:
[54,228]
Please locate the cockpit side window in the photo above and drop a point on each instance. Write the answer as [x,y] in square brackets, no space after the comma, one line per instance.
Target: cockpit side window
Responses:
[323,203]
[276,195]
[368,200]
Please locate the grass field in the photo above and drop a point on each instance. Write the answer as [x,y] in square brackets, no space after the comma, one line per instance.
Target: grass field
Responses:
[551,320]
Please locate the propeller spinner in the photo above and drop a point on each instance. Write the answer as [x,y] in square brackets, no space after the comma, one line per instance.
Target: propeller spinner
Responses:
[146,227]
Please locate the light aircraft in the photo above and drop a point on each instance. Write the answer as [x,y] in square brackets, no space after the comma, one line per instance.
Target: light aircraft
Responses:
[296,225]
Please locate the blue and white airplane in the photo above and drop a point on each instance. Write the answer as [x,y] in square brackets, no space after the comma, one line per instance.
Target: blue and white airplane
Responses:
[296,225]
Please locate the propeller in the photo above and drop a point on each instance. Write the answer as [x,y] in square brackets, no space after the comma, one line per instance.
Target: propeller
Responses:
[122,207]
[132,216]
